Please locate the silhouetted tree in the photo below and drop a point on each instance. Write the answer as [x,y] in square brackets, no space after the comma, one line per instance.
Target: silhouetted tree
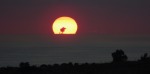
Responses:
[24,65]
[145,58]
[119,56]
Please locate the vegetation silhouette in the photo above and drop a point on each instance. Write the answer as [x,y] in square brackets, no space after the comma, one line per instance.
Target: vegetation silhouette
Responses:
[120,65]
[145,58]
[119,56]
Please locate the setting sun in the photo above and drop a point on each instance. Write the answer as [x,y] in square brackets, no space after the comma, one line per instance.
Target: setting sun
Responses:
[64,25]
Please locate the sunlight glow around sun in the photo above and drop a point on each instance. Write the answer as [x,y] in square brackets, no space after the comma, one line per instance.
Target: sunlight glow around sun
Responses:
[64,25]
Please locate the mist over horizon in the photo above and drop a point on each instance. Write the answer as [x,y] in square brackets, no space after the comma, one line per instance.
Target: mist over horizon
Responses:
[38,49]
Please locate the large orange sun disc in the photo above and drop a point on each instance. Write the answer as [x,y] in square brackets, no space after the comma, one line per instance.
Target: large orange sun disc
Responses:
[64,25]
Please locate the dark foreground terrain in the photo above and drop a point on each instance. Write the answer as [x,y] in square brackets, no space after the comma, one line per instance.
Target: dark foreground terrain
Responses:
[69,68]
[119,65]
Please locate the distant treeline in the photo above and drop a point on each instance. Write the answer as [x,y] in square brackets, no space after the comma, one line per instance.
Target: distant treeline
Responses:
[119,65]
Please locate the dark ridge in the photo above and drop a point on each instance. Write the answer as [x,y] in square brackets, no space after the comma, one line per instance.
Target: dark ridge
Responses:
[119,65]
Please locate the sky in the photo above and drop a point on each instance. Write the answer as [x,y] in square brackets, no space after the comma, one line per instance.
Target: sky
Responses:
[26,27]
[104,16]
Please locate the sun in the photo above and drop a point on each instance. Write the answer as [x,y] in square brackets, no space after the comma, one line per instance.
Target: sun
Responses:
[64,25]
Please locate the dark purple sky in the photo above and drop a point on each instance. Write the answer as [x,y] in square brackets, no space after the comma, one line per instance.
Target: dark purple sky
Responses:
[92,16]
